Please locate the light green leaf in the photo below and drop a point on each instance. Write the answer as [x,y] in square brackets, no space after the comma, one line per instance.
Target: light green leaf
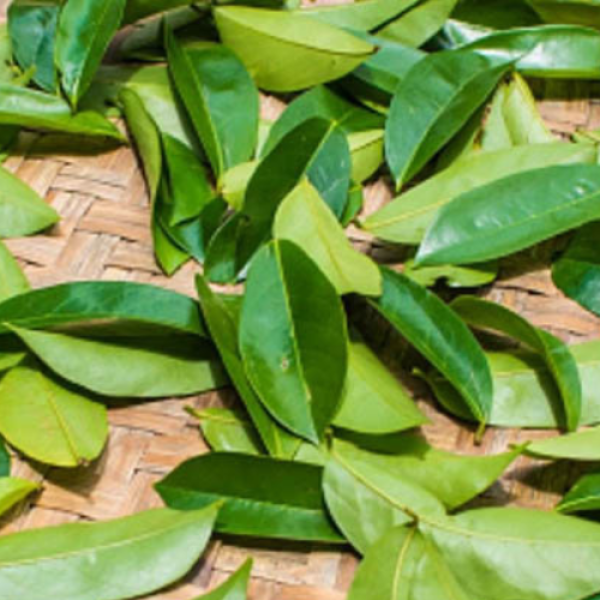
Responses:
[293,509]
[583,496]
[85,28]
[295,360]
[406,219]
[234,588]
[132,367]
[432,103]
[454,277]
[374,401]
[12,280]
[13,490]
[582,445]
[492,221]
[437,333]
[114,560]
[303,218]
[366,150]
[49,422]
[559,360]
[285,51]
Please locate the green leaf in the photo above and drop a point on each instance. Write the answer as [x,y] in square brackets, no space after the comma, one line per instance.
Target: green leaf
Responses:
[366,501]
[572,12]
[323,103]
[492,221]
[454,277]
[38,110]
[4,460]
[420,24]
[22,211]
[358,16]
[493,553]
[551,51]
[221,101]
[366,150]
[292,509]
[438,333]
[303,218]
[102,301]
[234,588]
[525,394]
[432,103]
[577,271]
[498,14]
[224,332]
[114,560]
[47,421]
[559,360]
[85,28]
[140,9]
[295,359]
[286,51]
[582,446]
[12,280]
[227,431]
[13,491]
[374,401]
[514,119]
[129,367]
[406,219]
[32,27]
[583,496]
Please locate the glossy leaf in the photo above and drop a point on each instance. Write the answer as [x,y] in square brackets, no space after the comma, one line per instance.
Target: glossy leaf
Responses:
[38,110]
[303,218]
[366,501]
[359,16]
[550,51]
[22,211]
[221,101]
[420,24]
[293,509]
[125,558]
[406,219]
[432,103]
[47,421]
[524,392]
[295,360]
[492,221]
[228,431]
[102,301]
[14,490]
[577,271]
[4,460]
[32,28]
[133,367]
[583,496]
[374,401]
[286,51]
[438,333]
[234,588]
[224,331]
[559,360]
[12,280]
[323,103]
[582,445]
[85,28]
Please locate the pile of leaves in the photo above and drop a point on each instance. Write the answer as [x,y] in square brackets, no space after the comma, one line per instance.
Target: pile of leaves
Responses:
[322,446]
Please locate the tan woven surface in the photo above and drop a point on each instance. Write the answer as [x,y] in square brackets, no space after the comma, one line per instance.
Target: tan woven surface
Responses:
[104,234]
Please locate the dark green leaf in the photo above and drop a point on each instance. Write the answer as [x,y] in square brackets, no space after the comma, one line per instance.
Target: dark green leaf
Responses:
[295,359]
[493,221]
[85,28]
[432,103]
[292,509]
[583,496]
[224,332]
[221,100]
[102,301]
[437,333]
[125,558]
[4,460]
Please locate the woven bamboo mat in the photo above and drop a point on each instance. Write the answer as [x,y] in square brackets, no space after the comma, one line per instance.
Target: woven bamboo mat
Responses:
[104,235]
